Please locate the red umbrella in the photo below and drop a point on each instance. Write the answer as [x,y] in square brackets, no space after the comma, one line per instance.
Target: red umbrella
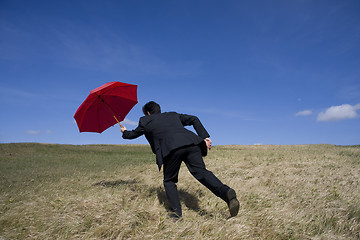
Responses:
[106,106]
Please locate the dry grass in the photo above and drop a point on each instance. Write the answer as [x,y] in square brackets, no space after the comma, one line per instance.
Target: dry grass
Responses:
[115,192]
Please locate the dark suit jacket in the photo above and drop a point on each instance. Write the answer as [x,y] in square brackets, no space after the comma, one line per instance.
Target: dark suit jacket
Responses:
[165,132]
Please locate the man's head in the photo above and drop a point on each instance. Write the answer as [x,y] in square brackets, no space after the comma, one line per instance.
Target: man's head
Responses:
[151,108]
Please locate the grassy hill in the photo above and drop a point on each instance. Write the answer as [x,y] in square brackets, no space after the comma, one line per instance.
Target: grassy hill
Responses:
[115,192]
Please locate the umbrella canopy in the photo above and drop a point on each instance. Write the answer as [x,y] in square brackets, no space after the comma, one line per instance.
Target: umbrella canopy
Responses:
[106,106]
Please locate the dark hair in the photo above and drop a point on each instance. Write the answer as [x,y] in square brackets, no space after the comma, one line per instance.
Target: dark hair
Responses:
[151,107]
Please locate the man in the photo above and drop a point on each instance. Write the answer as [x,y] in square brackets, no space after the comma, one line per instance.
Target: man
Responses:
[173,144]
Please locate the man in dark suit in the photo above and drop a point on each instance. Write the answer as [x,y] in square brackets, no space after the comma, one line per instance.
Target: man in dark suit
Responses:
[174,144]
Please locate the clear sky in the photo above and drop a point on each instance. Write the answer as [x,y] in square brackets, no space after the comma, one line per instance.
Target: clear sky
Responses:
[254,72]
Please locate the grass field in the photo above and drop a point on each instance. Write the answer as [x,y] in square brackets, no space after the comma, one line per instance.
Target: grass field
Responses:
[115,192]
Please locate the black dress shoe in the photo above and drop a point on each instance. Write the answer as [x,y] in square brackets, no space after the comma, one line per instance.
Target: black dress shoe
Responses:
[232,202]
[175,217]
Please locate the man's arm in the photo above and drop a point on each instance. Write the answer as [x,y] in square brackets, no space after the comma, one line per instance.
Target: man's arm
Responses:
[137,132]
[189,120]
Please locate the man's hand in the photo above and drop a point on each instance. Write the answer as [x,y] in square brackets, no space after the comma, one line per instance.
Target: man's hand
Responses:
[208,143]
[123,129]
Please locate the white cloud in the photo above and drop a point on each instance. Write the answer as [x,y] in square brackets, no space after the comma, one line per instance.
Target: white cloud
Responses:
[33,132]
[129,122]
[304,113]
[337,113]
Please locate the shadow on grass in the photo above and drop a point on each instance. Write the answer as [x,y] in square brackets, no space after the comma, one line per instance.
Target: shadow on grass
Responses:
[114,183]
[188,199]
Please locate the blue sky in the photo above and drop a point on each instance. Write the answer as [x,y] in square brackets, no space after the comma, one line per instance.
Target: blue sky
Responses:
[254,72]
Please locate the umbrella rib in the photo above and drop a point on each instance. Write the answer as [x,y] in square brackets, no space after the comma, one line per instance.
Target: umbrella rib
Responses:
[107,105]
[109,108]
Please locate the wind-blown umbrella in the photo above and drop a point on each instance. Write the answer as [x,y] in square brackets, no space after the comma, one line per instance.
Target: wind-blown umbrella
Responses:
[105,106]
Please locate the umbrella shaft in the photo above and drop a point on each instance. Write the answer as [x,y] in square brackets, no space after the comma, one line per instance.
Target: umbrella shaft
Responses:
[117,121]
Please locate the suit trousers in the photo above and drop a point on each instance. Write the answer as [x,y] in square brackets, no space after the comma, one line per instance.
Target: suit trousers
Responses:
[192,157]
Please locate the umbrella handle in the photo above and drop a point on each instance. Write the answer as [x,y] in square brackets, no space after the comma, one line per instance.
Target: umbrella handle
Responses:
[118,121]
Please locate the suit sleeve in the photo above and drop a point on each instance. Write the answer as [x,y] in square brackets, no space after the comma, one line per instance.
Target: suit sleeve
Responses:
[189,120]
[137,132]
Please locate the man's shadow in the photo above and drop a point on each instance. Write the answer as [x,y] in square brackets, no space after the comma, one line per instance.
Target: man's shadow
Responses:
[114,183]
[189,200]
